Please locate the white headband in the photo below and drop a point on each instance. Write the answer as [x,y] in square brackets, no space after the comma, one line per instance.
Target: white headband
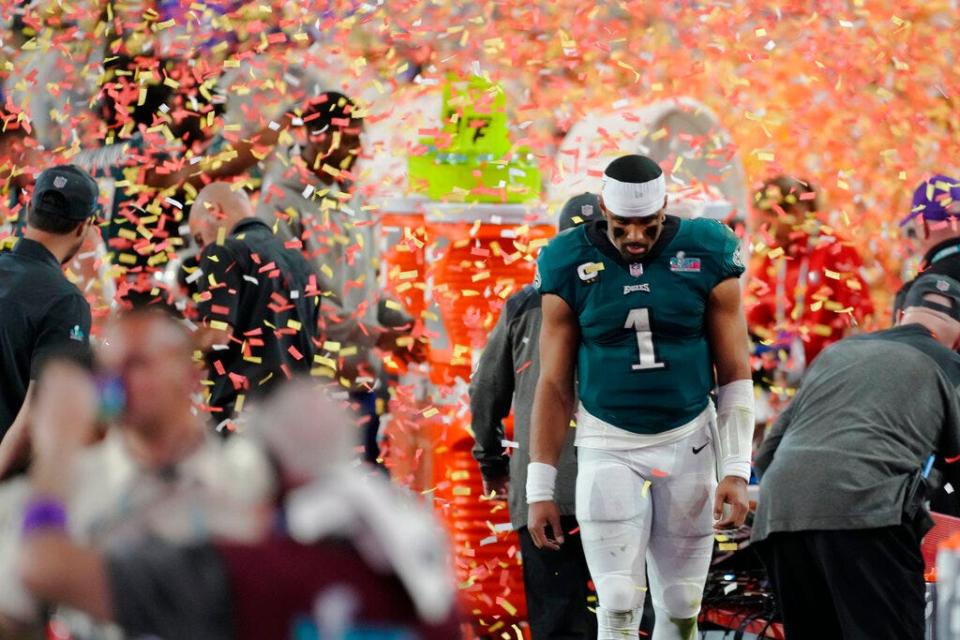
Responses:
[633,199]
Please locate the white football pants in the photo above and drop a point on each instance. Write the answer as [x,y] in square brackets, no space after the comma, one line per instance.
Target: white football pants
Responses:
[648,509]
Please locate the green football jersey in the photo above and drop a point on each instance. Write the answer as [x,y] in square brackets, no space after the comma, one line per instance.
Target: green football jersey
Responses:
[644,361]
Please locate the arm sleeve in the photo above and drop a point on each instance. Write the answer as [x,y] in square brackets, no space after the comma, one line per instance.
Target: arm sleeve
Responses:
[161,590]
[767,450]
[730,257]
[68,320]
[491,395]
[219,286]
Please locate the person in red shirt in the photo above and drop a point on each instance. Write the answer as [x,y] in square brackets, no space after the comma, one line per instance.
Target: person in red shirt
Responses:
[805,289]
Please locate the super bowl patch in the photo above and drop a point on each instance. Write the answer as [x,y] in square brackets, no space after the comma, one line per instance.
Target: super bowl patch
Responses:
[684,264]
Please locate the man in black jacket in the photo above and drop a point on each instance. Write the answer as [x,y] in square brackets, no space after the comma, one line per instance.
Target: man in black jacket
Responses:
[39,308]
[258,301]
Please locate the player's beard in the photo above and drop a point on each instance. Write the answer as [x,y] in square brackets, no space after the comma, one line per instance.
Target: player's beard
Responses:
[633,257]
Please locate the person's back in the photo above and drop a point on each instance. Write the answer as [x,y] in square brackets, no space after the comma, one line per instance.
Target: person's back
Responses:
[880,401]
[276,308]
[258,300]
[27,295]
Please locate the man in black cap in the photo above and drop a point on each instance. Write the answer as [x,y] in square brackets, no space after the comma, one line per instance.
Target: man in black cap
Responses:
[841,515]
[39,308]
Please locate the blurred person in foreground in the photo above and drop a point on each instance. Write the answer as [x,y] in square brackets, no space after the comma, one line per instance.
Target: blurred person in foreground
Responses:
[258,301]
[353,555]
[157,473]
[843,474]
[555,581]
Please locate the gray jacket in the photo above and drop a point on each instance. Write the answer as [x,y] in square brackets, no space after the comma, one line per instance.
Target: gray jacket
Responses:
[507,375]
[866,418]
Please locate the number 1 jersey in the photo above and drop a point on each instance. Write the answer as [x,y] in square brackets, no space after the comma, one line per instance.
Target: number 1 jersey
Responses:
[644,361]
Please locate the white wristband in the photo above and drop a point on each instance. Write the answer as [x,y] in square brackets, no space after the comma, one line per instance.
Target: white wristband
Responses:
[541,479]
[735,422]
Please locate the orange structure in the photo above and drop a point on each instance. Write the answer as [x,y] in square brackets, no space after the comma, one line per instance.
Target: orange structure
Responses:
[474,256]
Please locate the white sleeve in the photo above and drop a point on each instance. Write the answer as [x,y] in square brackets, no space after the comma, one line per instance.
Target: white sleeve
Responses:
[735,423]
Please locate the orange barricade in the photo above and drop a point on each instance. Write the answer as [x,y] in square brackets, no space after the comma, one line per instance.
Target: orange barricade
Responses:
[404,262]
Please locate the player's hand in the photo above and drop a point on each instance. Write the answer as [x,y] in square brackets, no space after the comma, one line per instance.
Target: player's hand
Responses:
[731,491]
[496,488]
[541,515]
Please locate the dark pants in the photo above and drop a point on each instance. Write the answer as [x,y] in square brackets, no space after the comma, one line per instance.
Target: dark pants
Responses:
[365,404]
[862,584]
[557,587]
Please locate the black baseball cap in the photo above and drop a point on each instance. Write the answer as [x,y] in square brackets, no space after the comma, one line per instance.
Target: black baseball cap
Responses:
[577,210]
[66,191]
[941,285]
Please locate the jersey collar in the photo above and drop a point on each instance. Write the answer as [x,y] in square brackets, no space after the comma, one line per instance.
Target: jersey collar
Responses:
[249,223]
[35,250]
[597,235]
[942,250]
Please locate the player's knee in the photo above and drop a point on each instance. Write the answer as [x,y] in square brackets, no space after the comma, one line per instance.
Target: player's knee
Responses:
[619,593]
[681,601]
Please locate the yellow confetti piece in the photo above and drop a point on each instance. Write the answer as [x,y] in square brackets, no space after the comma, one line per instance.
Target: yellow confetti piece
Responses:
[645,490]
[329,363]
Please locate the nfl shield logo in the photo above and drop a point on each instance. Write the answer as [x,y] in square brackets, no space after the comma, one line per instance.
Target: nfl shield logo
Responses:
[636,269]
[59,182]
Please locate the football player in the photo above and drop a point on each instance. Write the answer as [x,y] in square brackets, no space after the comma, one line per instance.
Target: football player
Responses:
[645,309]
